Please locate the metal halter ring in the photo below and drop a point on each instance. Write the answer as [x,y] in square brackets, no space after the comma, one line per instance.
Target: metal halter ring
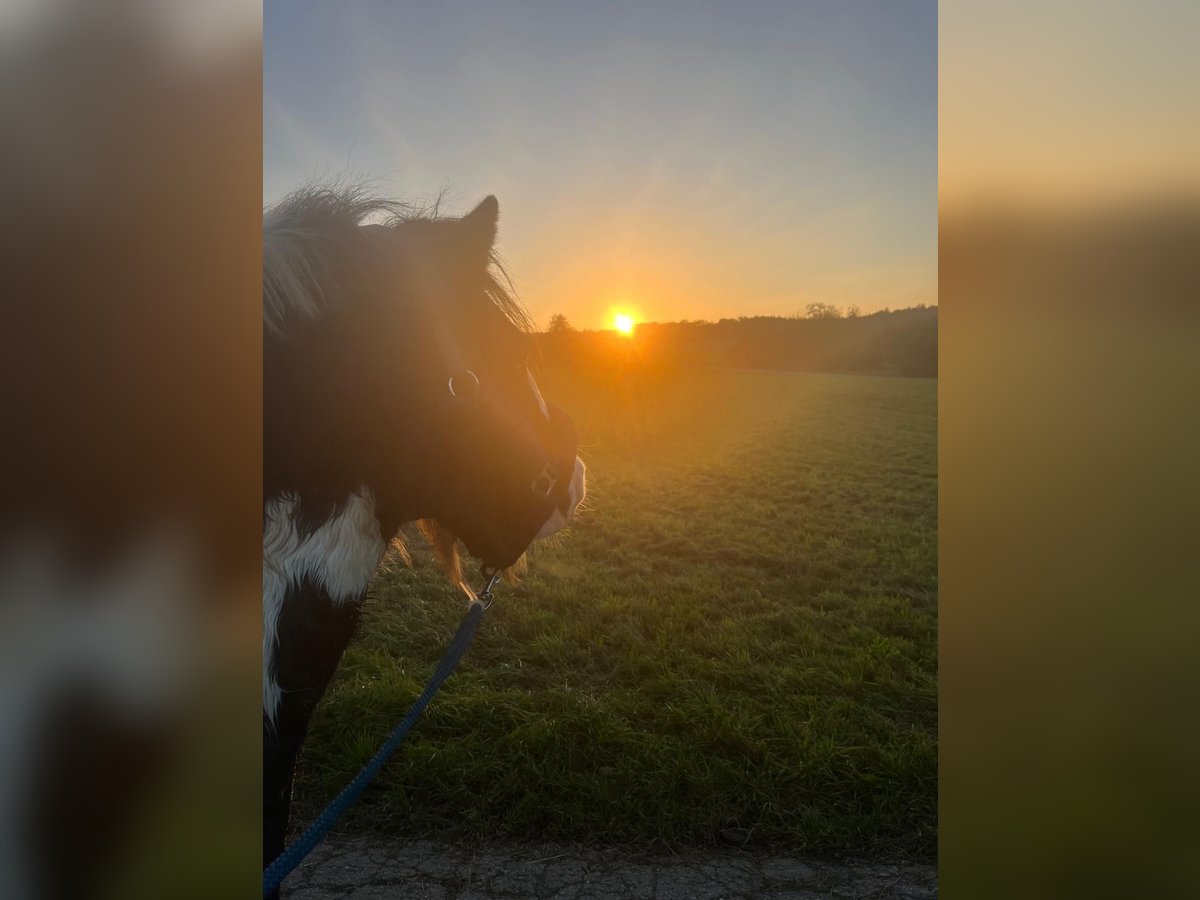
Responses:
[486,596]
[543,484]
[469,390]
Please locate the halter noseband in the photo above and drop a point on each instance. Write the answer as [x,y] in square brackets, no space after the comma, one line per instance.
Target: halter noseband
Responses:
[465,385]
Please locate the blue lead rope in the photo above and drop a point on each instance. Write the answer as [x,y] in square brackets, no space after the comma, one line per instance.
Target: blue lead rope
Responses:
[290,858]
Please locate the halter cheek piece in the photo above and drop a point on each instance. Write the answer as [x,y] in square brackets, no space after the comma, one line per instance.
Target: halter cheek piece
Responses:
[465,385]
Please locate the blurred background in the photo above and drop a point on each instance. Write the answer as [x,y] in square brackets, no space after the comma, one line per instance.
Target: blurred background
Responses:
[1068,173]
[129,577]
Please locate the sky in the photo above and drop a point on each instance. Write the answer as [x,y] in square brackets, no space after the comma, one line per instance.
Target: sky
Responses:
[677,160]
[1066,103]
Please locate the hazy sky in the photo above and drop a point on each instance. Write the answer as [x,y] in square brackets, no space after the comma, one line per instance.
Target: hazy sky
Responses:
[683,159]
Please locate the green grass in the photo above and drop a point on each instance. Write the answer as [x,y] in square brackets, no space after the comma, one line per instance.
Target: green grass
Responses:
[740,634]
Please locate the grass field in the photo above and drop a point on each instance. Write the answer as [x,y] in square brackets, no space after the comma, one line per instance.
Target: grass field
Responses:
[738,640]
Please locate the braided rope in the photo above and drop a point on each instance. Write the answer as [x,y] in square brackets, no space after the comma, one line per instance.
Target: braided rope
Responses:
[290,858]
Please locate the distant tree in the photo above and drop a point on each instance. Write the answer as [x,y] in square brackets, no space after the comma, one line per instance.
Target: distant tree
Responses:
[559,323]
[822,311]
[853,312]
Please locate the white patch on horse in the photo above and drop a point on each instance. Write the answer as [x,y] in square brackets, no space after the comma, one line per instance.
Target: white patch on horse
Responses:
[576,493]
[341,556]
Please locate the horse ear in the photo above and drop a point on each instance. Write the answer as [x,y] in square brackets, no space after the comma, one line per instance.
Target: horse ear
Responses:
[479,225]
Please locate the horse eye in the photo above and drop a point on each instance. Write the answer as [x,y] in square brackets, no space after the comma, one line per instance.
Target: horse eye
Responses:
[464,385]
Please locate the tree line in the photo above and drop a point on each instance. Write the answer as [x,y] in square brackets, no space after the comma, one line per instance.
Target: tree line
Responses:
[821,338]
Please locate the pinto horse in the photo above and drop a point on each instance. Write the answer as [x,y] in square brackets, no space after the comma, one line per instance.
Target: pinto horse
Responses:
[395,389]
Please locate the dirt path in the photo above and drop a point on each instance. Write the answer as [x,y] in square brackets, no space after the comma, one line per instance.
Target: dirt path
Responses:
[371,869]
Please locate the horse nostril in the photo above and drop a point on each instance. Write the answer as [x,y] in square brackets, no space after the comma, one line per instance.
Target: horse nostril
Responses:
[544,484]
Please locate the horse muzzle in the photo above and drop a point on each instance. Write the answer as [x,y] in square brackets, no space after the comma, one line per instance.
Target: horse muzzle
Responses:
[564,512]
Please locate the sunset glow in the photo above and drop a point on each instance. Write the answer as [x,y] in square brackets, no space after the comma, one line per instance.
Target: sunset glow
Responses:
[623,323]
[726,208]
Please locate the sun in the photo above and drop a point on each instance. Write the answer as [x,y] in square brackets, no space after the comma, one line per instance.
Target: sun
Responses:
[623,323]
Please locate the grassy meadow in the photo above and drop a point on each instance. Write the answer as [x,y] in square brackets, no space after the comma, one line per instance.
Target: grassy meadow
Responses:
[738,641]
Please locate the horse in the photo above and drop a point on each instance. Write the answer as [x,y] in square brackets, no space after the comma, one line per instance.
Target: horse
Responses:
[396,389]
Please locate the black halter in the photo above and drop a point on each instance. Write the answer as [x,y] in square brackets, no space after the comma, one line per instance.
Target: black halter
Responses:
[465,387]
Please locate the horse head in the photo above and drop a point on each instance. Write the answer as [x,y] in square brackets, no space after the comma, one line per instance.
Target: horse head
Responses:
[489,461]
[395,363]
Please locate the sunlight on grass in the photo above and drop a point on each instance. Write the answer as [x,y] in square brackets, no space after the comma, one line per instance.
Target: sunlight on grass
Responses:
[741,634]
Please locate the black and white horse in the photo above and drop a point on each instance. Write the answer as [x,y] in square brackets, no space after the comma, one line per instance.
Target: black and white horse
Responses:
[395,389]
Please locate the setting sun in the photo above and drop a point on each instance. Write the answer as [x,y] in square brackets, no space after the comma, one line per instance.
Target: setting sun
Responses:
[623,323]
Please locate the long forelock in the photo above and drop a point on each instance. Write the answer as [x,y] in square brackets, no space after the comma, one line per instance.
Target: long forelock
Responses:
[500,290]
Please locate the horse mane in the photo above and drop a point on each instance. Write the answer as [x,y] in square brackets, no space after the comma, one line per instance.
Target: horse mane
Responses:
[314,251]
[314,234]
